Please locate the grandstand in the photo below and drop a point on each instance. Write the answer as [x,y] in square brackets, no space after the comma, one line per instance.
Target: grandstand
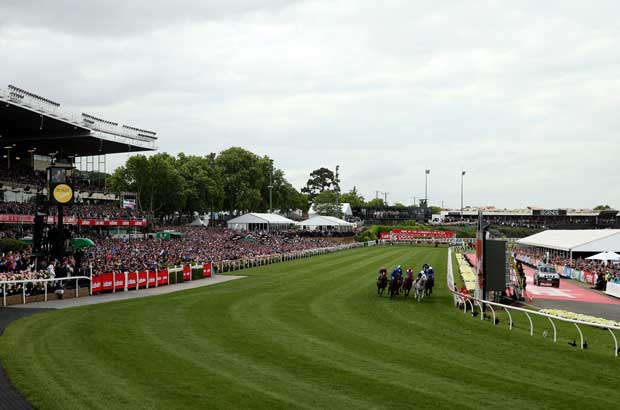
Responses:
[36,132]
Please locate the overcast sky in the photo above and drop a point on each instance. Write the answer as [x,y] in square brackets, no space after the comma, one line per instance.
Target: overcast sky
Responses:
[523,95]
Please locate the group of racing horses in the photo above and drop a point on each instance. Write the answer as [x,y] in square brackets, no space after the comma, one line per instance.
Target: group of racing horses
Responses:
[422,285]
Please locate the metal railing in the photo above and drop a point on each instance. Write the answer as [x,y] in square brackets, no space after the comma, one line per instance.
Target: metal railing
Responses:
[467,300]
[35,281]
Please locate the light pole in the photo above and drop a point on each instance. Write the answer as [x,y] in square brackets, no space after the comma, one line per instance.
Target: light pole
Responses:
[462,175]
[426,172]
[270,186]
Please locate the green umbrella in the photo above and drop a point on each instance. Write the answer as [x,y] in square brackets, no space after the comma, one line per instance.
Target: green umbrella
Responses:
[80,243]
[27,240]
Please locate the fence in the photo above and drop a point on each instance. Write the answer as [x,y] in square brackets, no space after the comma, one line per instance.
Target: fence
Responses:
[143,280]
[466,300]
[35,281]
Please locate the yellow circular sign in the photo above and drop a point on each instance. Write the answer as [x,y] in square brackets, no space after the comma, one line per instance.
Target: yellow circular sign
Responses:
[63,193]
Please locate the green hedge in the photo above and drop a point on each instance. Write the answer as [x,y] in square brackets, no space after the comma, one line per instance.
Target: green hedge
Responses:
[8,245]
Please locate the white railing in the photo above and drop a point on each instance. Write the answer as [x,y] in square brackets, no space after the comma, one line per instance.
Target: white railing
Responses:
[35,281]
[466,300]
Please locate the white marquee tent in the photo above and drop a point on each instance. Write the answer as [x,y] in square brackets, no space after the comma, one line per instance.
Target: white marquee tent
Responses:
[259,221]
[320,222]
[571,241]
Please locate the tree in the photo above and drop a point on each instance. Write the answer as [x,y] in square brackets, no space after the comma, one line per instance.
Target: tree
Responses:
[325,204]
[203,183]
[399,205]
[376,203]
[155,179]
[436,210]
[320,180]
[352,197]
[601,207]
[245,180]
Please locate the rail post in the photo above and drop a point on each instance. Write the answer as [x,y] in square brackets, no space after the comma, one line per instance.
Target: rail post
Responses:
[77,289]
[4,294]
[615,342]
[531,323]
[509,318]
[555,332]
[580,334]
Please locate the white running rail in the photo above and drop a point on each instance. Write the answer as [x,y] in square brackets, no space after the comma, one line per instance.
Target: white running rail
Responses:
[471,301]
[35,281]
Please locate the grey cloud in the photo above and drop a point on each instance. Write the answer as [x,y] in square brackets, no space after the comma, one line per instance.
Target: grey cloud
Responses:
[117,18]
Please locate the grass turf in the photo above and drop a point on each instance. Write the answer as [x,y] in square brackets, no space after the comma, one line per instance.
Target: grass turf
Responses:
[303,334]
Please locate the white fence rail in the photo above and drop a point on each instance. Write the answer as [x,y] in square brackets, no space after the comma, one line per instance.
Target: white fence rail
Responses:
[35,281]
[470,301]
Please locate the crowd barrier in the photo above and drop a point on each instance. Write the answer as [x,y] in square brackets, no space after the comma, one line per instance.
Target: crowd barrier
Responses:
[613,289]
[469,301]
[34,282]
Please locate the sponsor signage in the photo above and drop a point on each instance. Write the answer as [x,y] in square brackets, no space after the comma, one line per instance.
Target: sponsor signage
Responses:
[187,272]
[206,270]
[407,235]
[29,219]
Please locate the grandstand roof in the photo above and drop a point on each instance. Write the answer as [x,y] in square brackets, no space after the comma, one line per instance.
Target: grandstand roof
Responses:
[579,240]
[320,220]
[259,218]
[28,121]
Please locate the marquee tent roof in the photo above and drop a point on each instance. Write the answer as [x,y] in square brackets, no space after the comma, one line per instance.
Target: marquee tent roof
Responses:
[258,218]
[320,220]
[579,240]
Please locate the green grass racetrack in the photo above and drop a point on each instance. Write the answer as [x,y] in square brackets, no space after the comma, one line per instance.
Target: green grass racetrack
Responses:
[309,334]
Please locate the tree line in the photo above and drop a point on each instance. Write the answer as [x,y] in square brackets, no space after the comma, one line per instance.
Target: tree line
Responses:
[235,180]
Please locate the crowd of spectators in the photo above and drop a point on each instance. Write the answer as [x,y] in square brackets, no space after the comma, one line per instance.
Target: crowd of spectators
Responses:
[196,245]
[96,211]
[605,272]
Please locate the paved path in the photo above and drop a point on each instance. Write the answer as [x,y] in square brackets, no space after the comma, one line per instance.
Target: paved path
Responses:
[113,297]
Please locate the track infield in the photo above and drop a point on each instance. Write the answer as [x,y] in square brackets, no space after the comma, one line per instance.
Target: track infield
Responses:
[304,334]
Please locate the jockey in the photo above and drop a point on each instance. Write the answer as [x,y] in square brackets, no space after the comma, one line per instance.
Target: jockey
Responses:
[409,273]
[397,272]
[382,272]
[430,273]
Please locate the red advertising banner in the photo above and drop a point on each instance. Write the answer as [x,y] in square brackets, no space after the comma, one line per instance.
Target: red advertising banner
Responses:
[162,277]
[119,281]
[69,220]
[96,283]
[413,234]
[384,236]
[187,272]
[206,270]
[589,277]
[142,279]
[107,281]
[132,280]
[152,279]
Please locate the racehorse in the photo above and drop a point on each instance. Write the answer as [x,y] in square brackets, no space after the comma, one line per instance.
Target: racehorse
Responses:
[407,283]
[381,284]
[420,285]
[395,284]
[428,288]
